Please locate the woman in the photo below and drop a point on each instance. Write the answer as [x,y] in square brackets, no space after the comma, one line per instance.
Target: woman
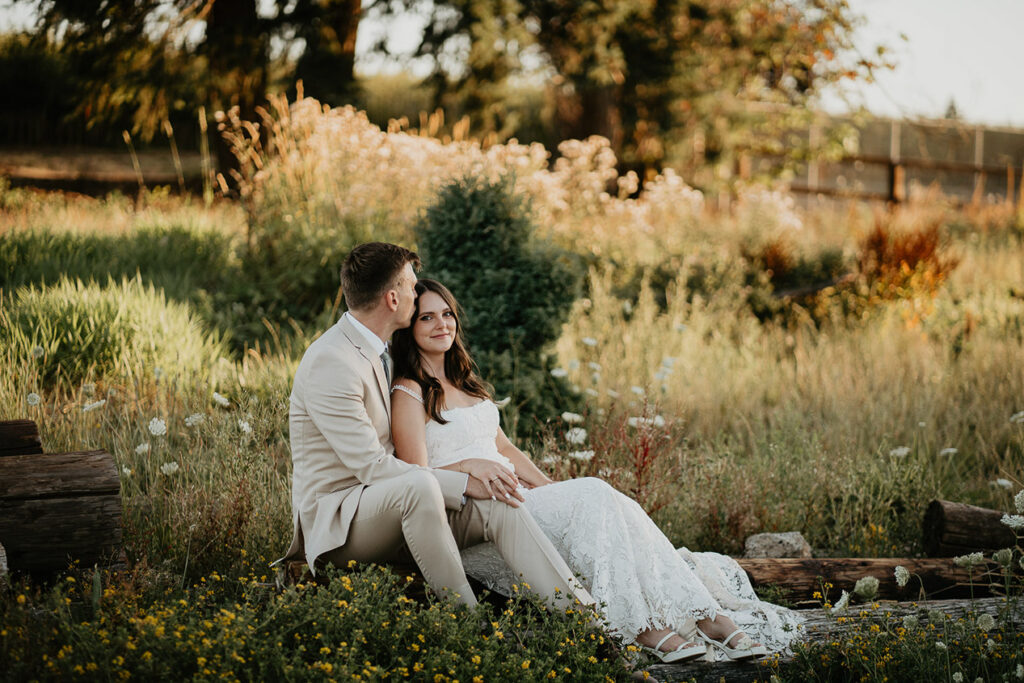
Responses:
[443,416]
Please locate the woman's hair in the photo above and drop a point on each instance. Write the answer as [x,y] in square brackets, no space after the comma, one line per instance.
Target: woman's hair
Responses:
[459,368]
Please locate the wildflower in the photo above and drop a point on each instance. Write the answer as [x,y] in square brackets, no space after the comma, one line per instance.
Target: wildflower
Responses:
[589,341]
[866,587]
[958,677]
[1020,671]
[1002,483]
[576,435]
[948,451]
[843,601]
[668,361]
[613,394]
[582,455]
[95,405]
[902,576]
[195,419]
[572,418]
[142,448]
[986,623]
[89,388]
[596,367]
[1015,522]
[627,307]
[969,560]
[559,372]
[1017,418]
[32,399]
[910,622]
[1018,501]
[549,460]
[37,352]
[899,452]
[637,421]
[157,427]
[679,327]
[990,645]
[639,391]
[503,402]
[169,468]
[222,401]
[658,421]
[939,645]
[245,426]
[1004,557]
[662,374]
[574,364]
[592,393]
[126,471]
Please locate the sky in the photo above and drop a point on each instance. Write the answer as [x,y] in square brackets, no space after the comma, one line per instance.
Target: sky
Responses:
[964,51]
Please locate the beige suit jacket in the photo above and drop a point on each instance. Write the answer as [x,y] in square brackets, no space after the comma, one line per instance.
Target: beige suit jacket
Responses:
[340,423]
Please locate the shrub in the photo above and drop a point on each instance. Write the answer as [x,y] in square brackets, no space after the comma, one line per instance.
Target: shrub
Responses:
[73,330]
[516,290]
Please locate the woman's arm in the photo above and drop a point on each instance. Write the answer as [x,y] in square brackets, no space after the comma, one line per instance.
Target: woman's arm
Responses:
[528,472]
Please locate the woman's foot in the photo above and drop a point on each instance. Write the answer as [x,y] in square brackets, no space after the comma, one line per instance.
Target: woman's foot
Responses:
[723,634]
[669,646]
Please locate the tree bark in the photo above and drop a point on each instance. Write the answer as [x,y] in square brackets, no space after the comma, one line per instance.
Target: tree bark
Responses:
[19,437]
[327,66]
[57,508]
[957,529]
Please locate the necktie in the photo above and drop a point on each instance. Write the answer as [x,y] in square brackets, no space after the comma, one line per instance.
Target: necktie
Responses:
[385,359]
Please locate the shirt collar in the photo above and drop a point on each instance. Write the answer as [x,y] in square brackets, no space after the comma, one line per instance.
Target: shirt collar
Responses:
[378,345]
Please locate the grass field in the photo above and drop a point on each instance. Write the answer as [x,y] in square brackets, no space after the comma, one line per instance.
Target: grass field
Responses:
[725,410]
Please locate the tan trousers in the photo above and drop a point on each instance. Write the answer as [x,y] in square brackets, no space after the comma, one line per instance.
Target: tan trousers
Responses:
[404,520]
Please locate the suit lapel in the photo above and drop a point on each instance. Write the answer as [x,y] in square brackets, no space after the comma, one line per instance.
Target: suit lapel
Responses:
[356,338]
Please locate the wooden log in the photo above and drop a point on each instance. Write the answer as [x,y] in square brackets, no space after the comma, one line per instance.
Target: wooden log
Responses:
[58,508]
[819,626]
[800,577]
[19,437]
[958,529]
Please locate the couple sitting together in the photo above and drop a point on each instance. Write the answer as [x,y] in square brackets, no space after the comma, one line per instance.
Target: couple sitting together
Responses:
[404,461]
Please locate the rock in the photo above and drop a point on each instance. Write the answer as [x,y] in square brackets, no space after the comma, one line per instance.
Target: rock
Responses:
[785,544]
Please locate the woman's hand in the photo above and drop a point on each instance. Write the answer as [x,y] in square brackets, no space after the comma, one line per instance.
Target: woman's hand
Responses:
[498,480]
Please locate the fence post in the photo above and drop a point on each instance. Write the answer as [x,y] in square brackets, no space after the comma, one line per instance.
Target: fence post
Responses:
[897,181]
[979,157]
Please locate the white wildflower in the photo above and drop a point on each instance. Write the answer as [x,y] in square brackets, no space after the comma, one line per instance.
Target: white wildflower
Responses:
[902,576]
[866,587]
[195,419]
[1004,557]
[910,622]
[126,471]
[613,394]
[576,435]
[142,448]
[245,426]
[900,451]
[222,401]
[37,351]
[95,405]
[1015,522]
[662,374]
[969,560]
[503,402]
[574,364]
[939,645]
[639,391]
[32,399]
[627,307]
[592,393]
[582,455]
[549,460]
[157,427]
[948,451]
[986,623]
[575,388]
[679,327]
[843,601]
[1020,671]
[1018,501]
[668,361]
[169,468]
[1002,483]
[589,341]
[957,677]
[922,424]
[89,388]
[559,372]
[596,367]
[658,421]
[572,418]
[1017,418]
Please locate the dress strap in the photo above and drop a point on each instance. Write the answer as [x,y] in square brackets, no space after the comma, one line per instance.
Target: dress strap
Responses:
[406,390]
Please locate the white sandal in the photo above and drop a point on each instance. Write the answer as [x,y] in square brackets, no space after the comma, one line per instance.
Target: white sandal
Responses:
[745,648]
[688,650]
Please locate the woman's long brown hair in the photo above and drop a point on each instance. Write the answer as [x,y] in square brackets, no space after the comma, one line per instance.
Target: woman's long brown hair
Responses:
[459,368]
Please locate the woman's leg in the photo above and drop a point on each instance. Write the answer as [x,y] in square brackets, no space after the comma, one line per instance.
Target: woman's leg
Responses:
[719,628]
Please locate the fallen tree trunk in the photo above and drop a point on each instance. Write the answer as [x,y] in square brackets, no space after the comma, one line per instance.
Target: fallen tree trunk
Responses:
[801,577]
[958,529]
[19,437]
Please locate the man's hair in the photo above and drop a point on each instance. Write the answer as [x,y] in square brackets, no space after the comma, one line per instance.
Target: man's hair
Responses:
[372,269]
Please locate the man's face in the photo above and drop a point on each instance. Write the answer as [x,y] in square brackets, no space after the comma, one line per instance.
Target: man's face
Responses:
[406,296]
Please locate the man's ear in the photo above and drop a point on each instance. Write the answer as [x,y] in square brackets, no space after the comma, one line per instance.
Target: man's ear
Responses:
[391,300]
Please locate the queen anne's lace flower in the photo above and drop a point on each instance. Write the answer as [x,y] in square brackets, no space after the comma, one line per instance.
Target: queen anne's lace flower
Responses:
[157,427]
[1015,522]
[222,401]
[986,623]
[170,468]
[866,587]
[95,405]
[572,418]
[948,451]
[195,419]
[576,435]
[1018,501]
[245,426]
[1017,418]
[142,448]
[639,391]
[902,576]
[37,351]
[32,399]
[843,601]
[969,560]
[589,341]
[900,452]
[1002,483]
[559,372]
[582,455]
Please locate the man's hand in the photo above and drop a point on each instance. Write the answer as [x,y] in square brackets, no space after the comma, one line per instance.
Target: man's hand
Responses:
[498,490]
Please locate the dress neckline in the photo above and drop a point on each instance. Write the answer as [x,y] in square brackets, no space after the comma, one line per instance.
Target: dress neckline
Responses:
[473,405]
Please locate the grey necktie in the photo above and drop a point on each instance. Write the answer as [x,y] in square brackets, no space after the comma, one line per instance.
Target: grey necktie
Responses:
[385,359]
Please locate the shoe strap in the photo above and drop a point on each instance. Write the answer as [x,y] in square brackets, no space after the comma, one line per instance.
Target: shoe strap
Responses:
[739,645]
[665,640]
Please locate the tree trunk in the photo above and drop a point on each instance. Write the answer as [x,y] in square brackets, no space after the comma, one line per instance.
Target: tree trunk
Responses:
[958,529]
[57,508]
[327,65]
[802,577]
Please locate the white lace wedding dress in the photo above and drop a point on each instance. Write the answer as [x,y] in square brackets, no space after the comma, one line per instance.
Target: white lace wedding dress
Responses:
[620,555]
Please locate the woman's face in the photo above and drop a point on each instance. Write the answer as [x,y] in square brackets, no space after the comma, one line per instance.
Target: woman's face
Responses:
[434,327]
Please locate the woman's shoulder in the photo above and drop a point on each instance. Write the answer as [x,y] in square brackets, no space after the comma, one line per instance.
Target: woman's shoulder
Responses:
[408,387]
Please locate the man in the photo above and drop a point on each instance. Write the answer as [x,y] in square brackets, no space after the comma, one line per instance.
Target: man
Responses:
[351,498]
